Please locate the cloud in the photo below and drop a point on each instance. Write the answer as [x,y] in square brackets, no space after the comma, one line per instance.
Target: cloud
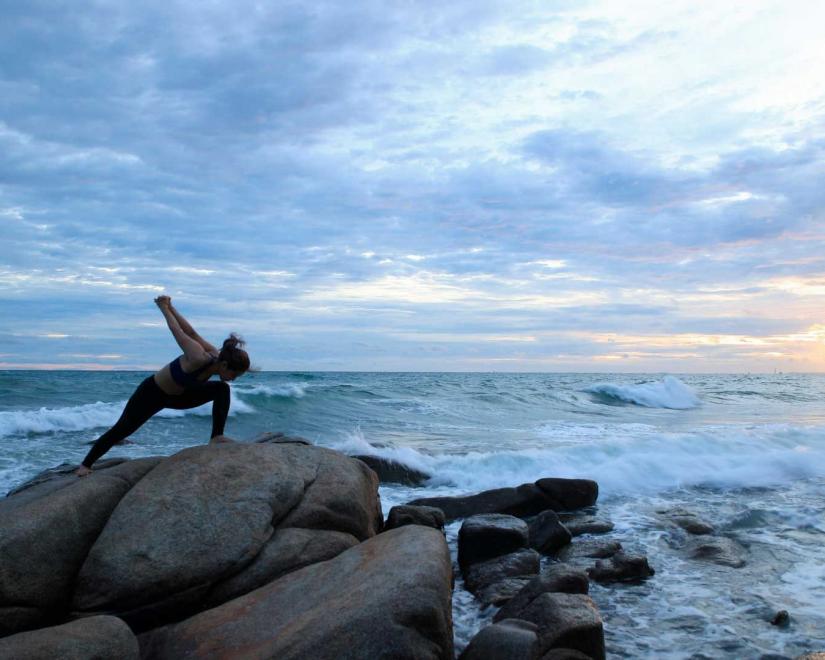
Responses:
[478,170]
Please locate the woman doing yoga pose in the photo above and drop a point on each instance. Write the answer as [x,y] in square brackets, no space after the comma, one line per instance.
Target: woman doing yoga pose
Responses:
[181,384]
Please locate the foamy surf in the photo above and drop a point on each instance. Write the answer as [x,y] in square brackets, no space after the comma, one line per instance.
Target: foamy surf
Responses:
[15,423]
[670,392]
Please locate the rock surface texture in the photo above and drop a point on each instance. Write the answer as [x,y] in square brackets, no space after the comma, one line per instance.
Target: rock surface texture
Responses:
[155,540]
[96,637]
[524,500]
[386,598]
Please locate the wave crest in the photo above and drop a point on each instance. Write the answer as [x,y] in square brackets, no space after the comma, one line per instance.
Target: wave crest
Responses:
[670,392]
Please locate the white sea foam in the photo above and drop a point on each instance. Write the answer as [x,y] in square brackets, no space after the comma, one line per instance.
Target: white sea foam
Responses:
[71,418]
[90,416]
[670,392]
[285,390]
[727,457]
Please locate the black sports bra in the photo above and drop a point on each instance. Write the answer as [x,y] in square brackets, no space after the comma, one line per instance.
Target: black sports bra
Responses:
[187,379]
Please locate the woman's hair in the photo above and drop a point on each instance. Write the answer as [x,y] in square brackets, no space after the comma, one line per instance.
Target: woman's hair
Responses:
[235,357]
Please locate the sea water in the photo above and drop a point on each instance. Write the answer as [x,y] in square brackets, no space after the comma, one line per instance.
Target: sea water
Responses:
[744,452]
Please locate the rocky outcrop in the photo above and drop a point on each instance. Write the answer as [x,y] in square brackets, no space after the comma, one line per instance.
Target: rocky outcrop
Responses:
[203,516]
[522,501]
[621,567]
[510,639]
[393,472]
[489,535]
[47,528]
[388,597]
[155,540]
[96,637]
[402,515]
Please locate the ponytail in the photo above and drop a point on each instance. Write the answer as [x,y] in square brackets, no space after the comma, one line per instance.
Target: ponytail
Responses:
[233,354]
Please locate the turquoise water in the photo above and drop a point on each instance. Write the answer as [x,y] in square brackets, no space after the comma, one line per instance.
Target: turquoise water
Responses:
[733,448]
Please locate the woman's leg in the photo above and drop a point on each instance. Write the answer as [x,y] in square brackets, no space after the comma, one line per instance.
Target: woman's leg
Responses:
[145,402]
[215,391]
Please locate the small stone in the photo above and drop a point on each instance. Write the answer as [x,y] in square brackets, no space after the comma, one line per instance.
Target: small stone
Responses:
[429,516]
[524,562]
[547,533]
[588,525]
[591,549]
[719,550]
[621,568]
[782,619]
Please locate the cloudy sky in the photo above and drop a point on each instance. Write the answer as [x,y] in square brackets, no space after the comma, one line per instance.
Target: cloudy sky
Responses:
[416,185]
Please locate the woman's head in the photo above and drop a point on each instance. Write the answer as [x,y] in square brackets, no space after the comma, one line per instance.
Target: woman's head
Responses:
[234,361]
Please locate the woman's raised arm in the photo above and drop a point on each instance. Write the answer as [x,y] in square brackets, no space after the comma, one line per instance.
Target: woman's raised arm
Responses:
[191,348]
[189,330]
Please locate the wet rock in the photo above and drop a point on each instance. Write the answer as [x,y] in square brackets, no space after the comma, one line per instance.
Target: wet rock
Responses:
[587,525]
[207,514]
[97,637]
[509,639]
[46,530]
[524,562]
[569,494]
[589,549]
[525,500]
[565,654]
[274,438]
[547,533]
[390,471]
[557,578]
[287,550]
[719,550]
[569,621]
[485,536]
[621,568]
[501,592]
[429,516]
[389,597]
[688,521]
[782,619]
[819,655]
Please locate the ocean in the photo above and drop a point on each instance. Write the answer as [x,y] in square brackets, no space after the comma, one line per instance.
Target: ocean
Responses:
[744,452]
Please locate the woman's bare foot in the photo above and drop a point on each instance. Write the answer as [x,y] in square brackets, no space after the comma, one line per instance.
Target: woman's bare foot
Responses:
[83,471]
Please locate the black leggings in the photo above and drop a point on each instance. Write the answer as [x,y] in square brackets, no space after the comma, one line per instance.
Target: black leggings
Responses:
[149,399]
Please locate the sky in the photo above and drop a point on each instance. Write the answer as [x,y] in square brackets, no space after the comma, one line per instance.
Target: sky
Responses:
[414,185]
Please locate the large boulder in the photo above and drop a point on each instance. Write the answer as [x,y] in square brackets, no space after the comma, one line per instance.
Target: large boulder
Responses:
[389,597]
[569,621]
[522,501]
[92,638]
[510,639]
[489,535]
[393,472]
[197,528]
[569,494]
[557,578]
[47,528]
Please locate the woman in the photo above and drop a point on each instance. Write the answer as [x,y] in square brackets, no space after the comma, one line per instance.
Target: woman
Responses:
[181,384]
